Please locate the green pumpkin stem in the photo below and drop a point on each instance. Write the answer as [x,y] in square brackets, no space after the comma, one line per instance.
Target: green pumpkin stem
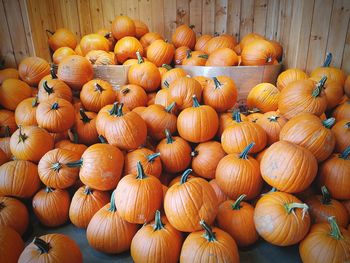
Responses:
[195,101]
[120,110]
[194,153]
[114,109]
[319,87]
[140,172]
[99,88]
[47,88]
[112,207]
[158,224]
[188,53]
[84,117]
[347,125]
[217,83]
[170,107]
[53,72]
[43,246]
[237,116]
[328,60]
[166,84]
[167,67]
[56,166]
[125,91]
[22,137]
[87,190]
[75,164]
[237,204]
[205,56]
[185,175]
[273,118]
[291,206]
[55,106]
[48,189]
[102,139]
[209,234]
[345,155]
[139,58]
[152,157]
[169,138]
[328,123]
[244,154]
[35,102]
[335,231]
[326,196]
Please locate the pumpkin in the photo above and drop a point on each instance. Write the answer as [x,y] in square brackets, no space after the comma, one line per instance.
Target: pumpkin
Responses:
[25,112]
[171,75]
[303,96]
[281,219]
[144,74]
[140,28]
[5,143]
[227,119]
[151,98]
[222,57]
[163,98]
[205,158]
[55,115]
[180,54]
[157,241]
[237,219]
[11,245]
[106,33]
[33,69]
[7,123]
[218,42]
[85,127]
[93,42]
[346,86]
[346,204]
[75,71]
[334,173]
[334,92]
[8,73]
[3,157]
[198,123]
[272,123]
[123,26]
[53,171]
[54,88]
[264,97]
[62,37]
[126,48]
[237,137]
[78,51]
[10,209]
[278,48]
[101,57]
[247,39]
[323,206]
[107,232]
[145,195]
[202,80]
[148,38]
[210,243]
[239,173]
[184,36]
[326,242]
[195,58]
[12,92]
[30,143]
[62,53]
[201,42]
[258,52]
[132,96]
[309,131]
[73,146]
[220,195]
[292,176]
[175,153]
[53,248]
[342,111]
[96,94]
[341,132]
[290,75]
[220,93]
[85,204]
[160,52]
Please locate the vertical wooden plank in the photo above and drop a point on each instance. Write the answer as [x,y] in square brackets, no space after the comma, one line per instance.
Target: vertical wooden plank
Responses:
[84,17]
[260,12]
[120,7]
[27,27]
[272,20]
[234,17]
[145,12]
[247,16]
[319,34]
[337,33]
[70,16]
[57,12]
[169,19]
[182,12]
[97,15]
[109,13]
[6,49]
[220,16]
[208,16]
[196,15]
[158,24]
[133,9]
[346,55]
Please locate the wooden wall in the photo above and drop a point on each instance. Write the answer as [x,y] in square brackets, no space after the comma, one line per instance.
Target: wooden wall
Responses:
[306,28]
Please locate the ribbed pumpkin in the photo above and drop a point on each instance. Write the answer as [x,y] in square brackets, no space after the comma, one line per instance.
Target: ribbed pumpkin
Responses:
[334,173]
[3,157]
[62,53]
[72,146]
[292,176]
[171,75]
[237,219]
[198,123]
[222,57]
[323,206]
[148,38]
[106,33]
[51,207]
[160,52]
[290,75]
[96,94]
[238,136]
[218,42]
[239,173]
[195,58]
[220,93]
[227,119]
[101,57]
[132,96]
[264,97]
[258,52]
[62,37]
[10,209]
[108,232]
[278,48]
[85,127]
[303,96]
[25,113]
[272,123]
[334,92]
[123,26]
[11,245]
[341,132]
[75,71]
[281,219]
[220,195]
[184,36]
[309,131]
[54,88]
[180,54]
[342,111]
[33,69]
[181,197]
[140,28]
[145,195]
[8,73]
[7,123]
[326,242]
[93,42]
[201,42]
[126,48]
[12,92]
[210,243]
[156,242]
[30,143]
[84,205]
[248,38]
[5,143]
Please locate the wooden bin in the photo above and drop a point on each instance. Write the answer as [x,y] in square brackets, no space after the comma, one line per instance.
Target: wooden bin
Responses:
[116,75]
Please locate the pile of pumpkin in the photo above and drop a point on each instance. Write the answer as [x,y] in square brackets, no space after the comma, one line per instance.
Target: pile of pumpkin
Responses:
[175,176]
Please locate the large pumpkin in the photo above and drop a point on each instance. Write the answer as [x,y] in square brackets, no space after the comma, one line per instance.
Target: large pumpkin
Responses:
[12,92]
[8,73]
[85,127]
[140,28]
[160,52]
[11,245]
[221,196]
[341,132]
[264,97]
[132,96]
[62,37]
[289,76]
[258,52]
[184,36]
[195,58]
[223,41]
[222,57]
[272,123]
[54,88]
[147,39]
[123,26]
[342,111]
[33,69]
[126,48]
[171,75]
[334,92]
[93,42]
[202,41]
[62,53]
[25,113]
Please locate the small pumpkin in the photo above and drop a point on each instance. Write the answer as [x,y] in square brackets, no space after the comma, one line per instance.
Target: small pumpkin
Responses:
[54,88]
[132,96]
[201,42]
[227,119]
[123,26]
[33,69]
[334,93]
[93,42]
[126,48]
[12,92]
[101,57]
[25,113]
[278,48]
[248,38]
[62,37]
[341,132]
[222,57]
[62,53]
[218,42]
[140,28]
[290,75]
[342,111]
[8,73]
[272,123]
[148,38]
[184,36]
[220,195]
[160,52]
[180,54]
[264,97]
[11,245]
[171,75]
[85,127]
[195,58]
[258,52]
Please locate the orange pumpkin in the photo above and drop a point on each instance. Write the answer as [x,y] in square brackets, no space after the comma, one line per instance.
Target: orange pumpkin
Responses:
[149,38]
[132,96]
[160,52]
[123,26]
[342,111]
[288,76]
[54,88]
[73,146]
[258,52]
[334,93]
[272,123]
[247,39]
[171,75]
[222,57]
[201,42]
[341,132]
[12,92]
[101,57]
[140,28]
[62,37]
[11,245]
[227,119]
[77,50]
[279,49]
[184,36]
[85,127]
[220,195]
[195,58]
[25,113]
[106,33]
[33,69]
[62,53]
[180,54]
[8,73]
[218,42]
[126,48]
[93,42]
[264,97]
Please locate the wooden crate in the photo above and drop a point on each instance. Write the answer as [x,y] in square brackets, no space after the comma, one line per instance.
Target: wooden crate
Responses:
[116,75]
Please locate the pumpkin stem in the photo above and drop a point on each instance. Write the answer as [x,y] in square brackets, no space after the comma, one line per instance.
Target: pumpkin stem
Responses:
[192,26]
[48,189]
[209,234]
[43,246]
[195,101]
[328,123]
[49,31]
[328,60]
[113,111]
[84,117]
[75,164]
[108,35]
[166,83]
[102,139]
[169,139]
[273,118]
[344,155]
[22,136]
[167,67]
[140,172]
[237,116]
[158,224]
[112,207]
[205,56]
[139,58]
[55,106]
[326,196]
[335,231]
[120,110]
[87,190]
[185,175]
[170,107]
[52,72]
[151,157]
[99,88]
[125,91]
[273,189]
[56,166]
[188,53]
[47,88]
[291,206]
[194,153]
[217,83]
[244,154]
[347,125]
[319,86]
[237,204]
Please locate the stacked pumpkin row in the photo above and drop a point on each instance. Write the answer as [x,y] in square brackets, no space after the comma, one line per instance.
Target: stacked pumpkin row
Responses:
[128,36]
